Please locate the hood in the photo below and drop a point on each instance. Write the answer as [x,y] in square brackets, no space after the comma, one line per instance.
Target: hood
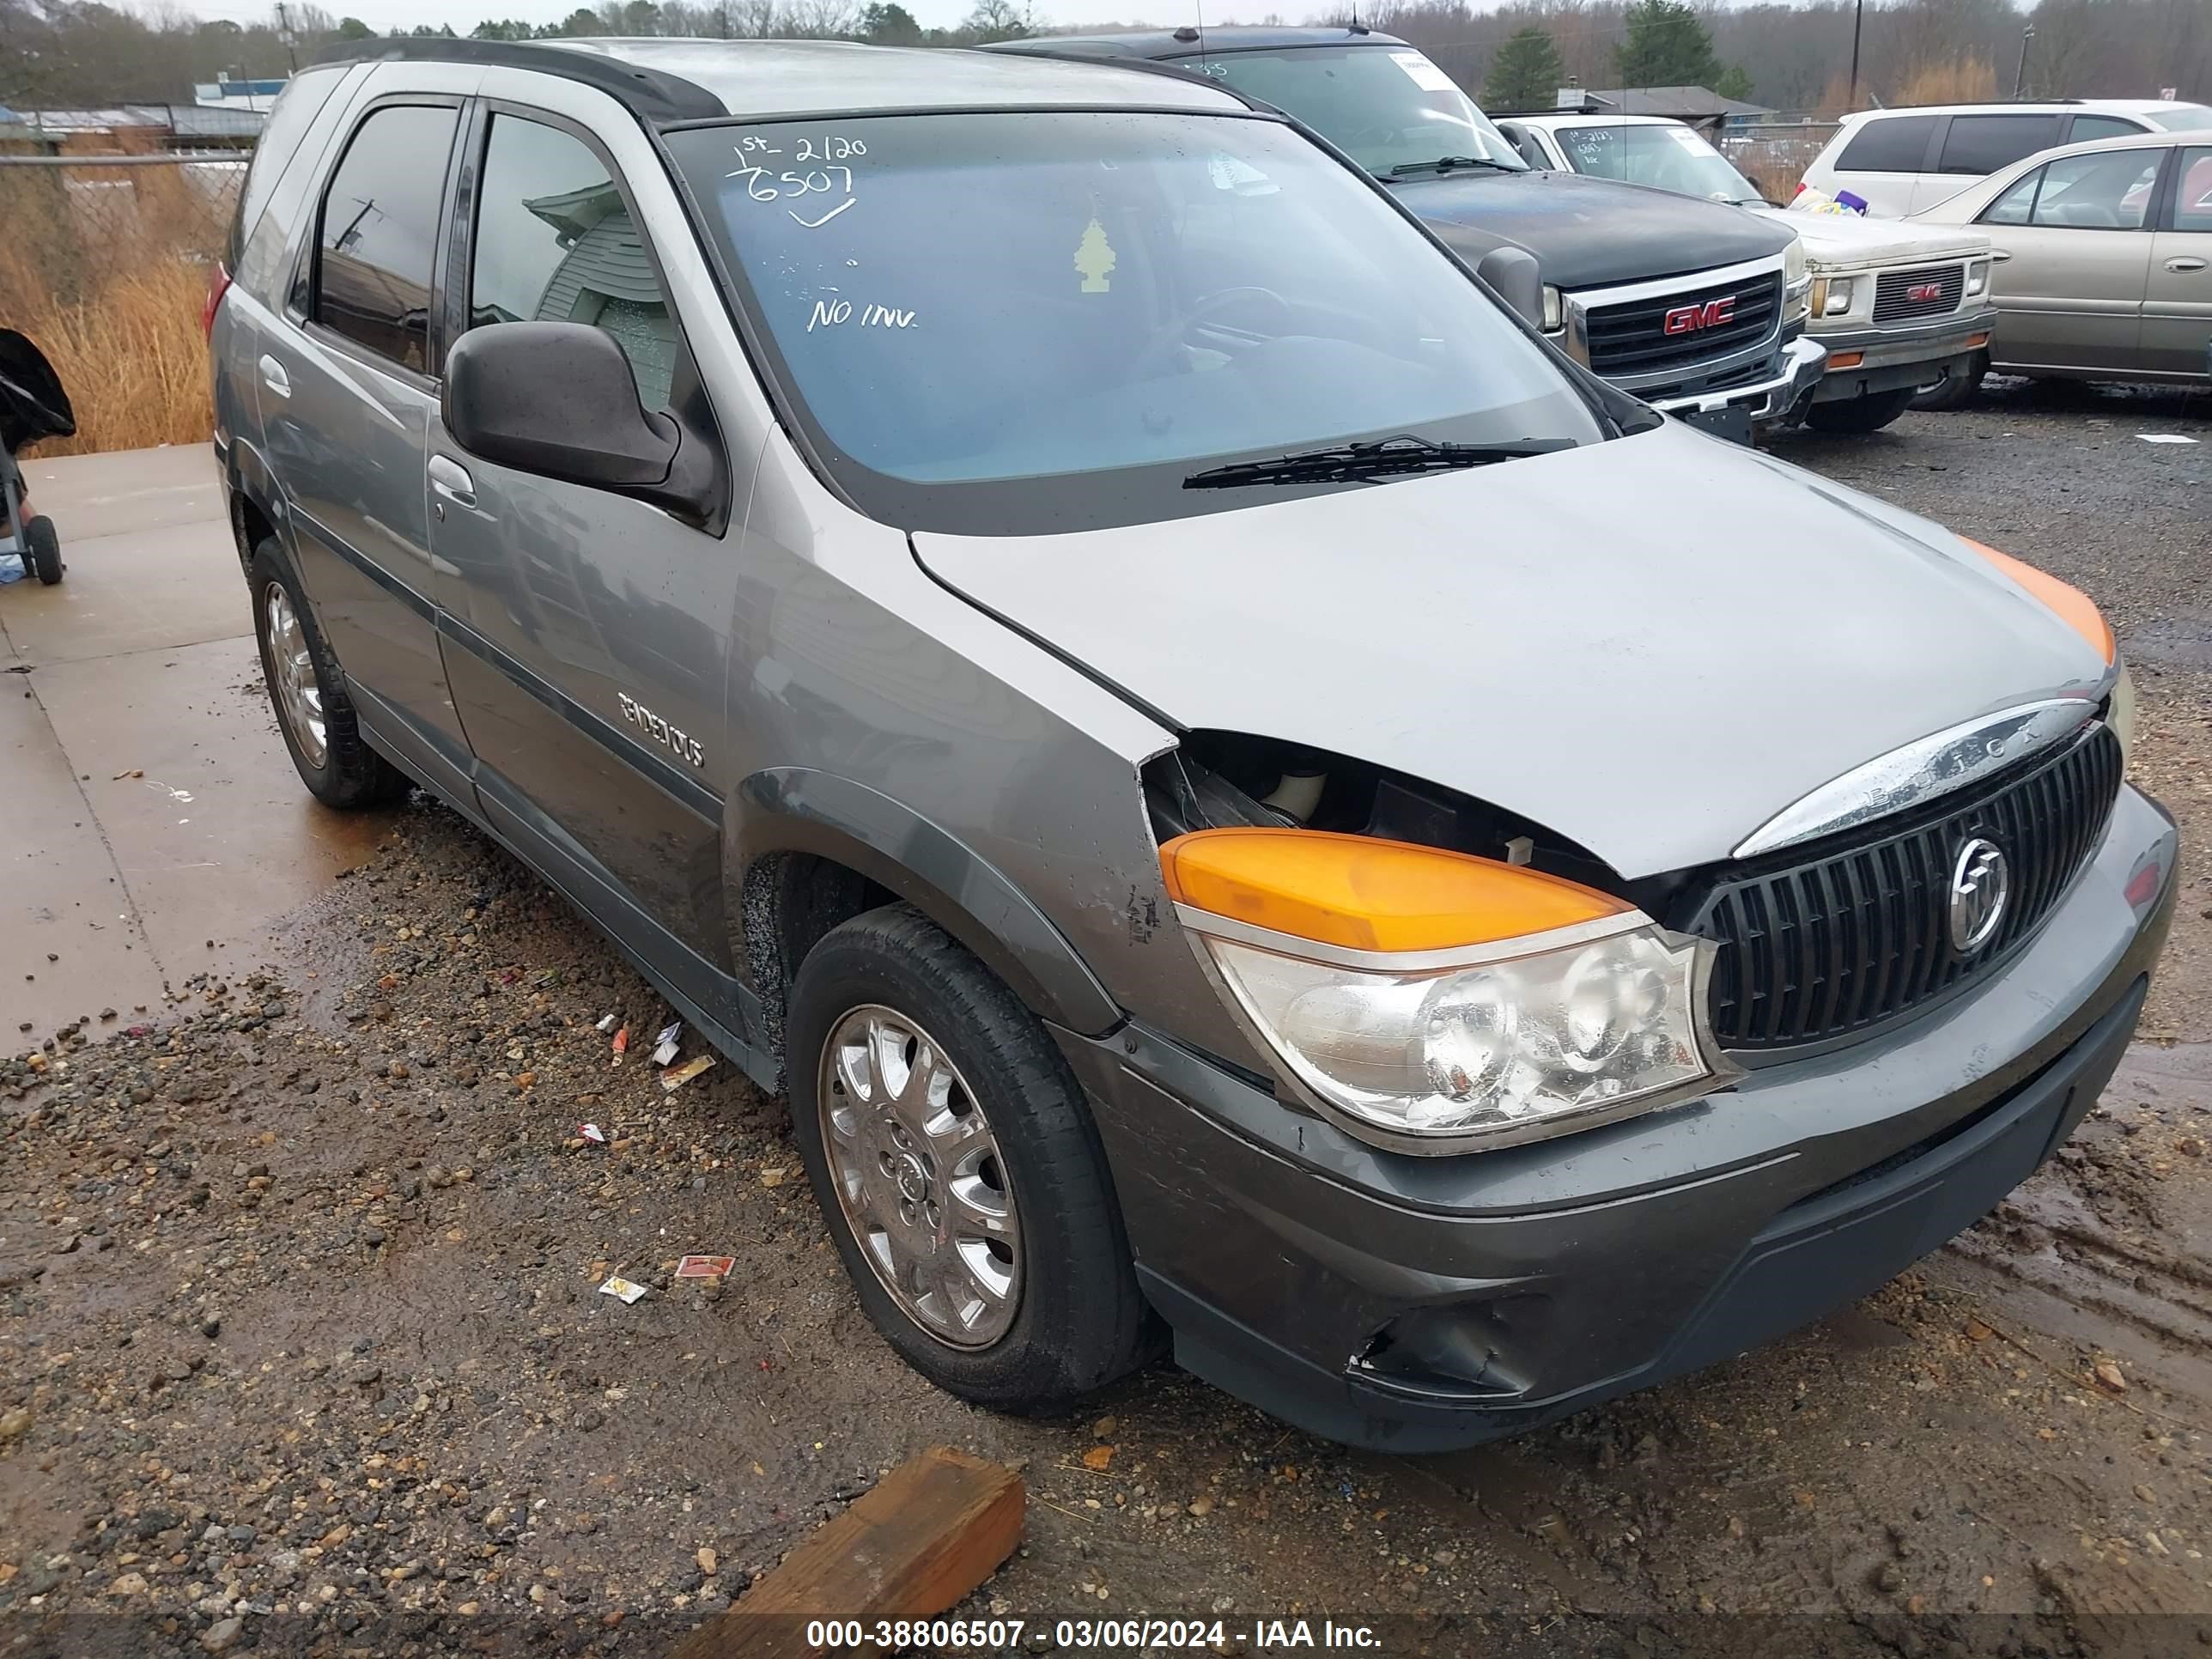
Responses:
[1844,241]
[1650,646]
[1587,233]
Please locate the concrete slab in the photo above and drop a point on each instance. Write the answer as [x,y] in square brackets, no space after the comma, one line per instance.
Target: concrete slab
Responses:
[61,894]
[88,496]
[142,660]
[216,835]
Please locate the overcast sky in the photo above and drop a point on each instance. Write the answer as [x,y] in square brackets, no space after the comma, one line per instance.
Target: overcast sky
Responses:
[405,14]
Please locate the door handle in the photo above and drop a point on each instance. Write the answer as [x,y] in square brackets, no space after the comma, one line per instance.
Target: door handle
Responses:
[449,478]
[1999,255]
[274,377]
[2185,262]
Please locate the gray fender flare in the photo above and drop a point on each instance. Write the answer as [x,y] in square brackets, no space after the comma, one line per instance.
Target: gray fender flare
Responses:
[798,810]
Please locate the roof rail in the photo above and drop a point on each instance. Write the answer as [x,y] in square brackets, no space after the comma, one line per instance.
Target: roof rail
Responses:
[652,96]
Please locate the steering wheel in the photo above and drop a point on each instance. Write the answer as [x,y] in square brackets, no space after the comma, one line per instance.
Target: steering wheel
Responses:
[1152,358]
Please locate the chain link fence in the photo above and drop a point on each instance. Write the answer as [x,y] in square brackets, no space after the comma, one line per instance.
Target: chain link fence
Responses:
[103,265]
[1774,155]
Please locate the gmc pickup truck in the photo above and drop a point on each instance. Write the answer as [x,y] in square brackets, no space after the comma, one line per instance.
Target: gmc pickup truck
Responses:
[1695,308]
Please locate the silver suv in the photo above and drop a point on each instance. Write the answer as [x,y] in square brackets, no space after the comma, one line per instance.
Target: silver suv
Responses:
[1236,813]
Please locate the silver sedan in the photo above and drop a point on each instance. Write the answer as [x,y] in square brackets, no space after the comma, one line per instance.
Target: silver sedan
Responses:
[2104,261]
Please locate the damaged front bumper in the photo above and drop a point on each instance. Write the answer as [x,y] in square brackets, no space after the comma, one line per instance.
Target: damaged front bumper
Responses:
[1416,1304]
[1863,362]
[1778,397]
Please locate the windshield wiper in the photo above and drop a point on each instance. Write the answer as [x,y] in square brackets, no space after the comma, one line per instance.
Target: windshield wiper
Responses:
[1446,163]
[1349,463]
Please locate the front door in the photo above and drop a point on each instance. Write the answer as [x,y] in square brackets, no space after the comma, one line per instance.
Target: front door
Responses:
[346,396]
[2177,336]
[2072,243]
[587,634]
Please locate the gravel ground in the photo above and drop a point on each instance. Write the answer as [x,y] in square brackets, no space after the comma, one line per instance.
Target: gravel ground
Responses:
[301,1345]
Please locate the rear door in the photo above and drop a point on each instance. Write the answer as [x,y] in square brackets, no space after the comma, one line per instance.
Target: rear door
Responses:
[587,634]
[1884,162]
[348,391]
[2177,330]
[1974,146]
[2072,243]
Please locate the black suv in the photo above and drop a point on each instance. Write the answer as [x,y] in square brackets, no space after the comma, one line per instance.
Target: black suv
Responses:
[1693,307]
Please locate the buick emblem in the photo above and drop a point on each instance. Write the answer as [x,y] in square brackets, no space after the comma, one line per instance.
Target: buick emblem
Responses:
[1979,886]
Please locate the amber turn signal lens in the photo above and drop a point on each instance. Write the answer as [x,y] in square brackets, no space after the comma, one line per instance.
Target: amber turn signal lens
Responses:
[2075,607]
[1845,359]
[1362,894]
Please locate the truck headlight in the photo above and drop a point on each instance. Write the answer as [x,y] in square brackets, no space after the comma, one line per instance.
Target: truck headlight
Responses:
[1796,282]
[1433,1002]
[1555,312]
[1832,295]
[1978,278]
[2120,712]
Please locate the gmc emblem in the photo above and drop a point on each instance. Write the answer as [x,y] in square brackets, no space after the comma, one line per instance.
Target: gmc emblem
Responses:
[1688,319]
[1920,293]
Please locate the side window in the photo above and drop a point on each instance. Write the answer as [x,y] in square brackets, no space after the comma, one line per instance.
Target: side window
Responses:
[2017,205]
[2110,191]
[2192,202]
[1980,144]
[379,233]
[555,242]
[2087,127]
[1894,143]
[1524,141]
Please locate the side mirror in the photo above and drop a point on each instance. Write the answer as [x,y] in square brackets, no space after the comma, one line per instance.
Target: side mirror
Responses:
[557,400]
[1517,279]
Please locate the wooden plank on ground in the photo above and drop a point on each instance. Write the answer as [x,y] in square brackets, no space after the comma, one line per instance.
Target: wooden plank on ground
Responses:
[930,1532]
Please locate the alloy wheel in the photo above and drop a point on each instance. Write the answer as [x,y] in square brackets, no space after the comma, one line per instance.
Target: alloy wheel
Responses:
[920,1178]
[299,692]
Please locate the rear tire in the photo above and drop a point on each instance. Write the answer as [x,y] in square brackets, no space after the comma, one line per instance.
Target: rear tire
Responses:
[42,547]
[1956,390]
[1002,1275]
[307,692]
[1869,414]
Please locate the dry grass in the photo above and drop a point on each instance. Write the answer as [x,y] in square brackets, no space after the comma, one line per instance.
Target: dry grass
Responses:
[106,267]
[1951,80]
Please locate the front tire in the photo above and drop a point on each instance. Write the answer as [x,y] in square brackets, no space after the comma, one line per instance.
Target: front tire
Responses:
[958,1167]
[308,693]
[1868,414]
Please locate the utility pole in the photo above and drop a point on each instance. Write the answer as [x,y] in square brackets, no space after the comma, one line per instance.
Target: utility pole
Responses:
[1858,21]
[2019,77]
[284,33]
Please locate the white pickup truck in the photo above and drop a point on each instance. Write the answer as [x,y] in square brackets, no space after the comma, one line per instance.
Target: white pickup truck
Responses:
[1902,308]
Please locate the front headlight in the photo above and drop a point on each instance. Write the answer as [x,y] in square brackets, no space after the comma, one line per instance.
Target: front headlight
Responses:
[1555,313]
[1978,278]
[1832,297]
[2120,714]
[1433,1002]
[1793,263]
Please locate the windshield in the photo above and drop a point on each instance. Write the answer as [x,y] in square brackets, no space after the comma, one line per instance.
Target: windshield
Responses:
[1384,107]
[1004,322]
[1664,157]
[2182,118]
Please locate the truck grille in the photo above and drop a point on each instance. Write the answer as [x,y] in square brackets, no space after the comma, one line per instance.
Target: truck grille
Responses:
[1630,338]
[1928,292]
[1844,934]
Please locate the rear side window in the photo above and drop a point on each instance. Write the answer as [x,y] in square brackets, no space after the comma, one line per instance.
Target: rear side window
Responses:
[1896,143]
[379,233]
[555,242]
[2192,202]
[295,110]
[1980,144]
[2088,127]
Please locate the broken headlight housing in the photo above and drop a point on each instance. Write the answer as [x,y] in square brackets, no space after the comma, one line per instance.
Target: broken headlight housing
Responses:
[1432,1002]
